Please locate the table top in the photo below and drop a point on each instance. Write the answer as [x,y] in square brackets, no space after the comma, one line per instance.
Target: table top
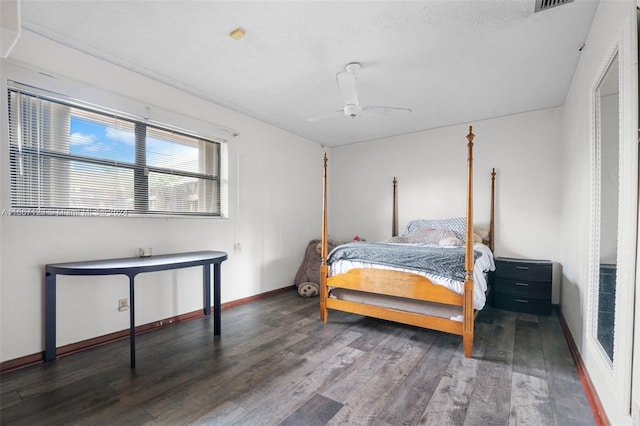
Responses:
[133,265]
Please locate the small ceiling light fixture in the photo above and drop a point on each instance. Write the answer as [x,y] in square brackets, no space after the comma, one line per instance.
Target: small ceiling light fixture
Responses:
[237,34]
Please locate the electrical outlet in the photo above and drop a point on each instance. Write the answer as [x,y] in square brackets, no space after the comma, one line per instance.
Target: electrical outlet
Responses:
[144,252]
[123,305]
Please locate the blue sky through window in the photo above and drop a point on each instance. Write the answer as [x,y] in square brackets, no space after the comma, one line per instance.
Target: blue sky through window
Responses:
[97,140]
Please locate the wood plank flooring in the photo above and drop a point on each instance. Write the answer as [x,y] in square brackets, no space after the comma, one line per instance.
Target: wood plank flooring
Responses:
[277,364]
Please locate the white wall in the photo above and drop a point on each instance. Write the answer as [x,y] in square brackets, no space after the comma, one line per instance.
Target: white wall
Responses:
[431,168]
[276,174]
[610,18]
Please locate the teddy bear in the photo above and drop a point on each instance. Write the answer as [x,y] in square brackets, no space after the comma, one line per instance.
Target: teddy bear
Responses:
[308,276]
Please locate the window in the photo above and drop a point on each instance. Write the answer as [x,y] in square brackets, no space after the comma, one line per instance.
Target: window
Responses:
[67,159]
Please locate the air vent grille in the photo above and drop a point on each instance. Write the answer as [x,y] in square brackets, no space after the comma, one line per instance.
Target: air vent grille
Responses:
[548,4]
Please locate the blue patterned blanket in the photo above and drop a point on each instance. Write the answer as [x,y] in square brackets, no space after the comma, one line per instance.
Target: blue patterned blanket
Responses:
[443,261]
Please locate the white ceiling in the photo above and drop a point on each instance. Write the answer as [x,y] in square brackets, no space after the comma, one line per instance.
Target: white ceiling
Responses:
[451,62]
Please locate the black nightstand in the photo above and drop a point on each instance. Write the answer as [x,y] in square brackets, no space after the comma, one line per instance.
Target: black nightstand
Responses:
[522,285]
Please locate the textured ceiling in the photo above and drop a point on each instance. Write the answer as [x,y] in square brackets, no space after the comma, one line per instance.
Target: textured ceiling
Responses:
[451,62]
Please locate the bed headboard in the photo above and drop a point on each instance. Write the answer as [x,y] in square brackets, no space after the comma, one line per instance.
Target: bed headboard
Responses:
[489,240]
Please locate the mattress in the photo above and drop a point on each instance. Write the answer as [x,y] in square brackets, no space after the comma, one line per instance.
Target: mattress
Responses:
[483,264]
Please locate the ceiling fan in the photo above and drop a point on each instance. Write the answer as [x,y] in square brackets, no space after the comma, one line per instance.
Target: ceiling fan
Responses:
[347,84]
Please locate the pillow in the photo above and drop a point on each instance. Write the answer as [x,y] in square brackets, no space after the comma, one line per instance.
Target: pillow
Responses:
[450,241]
[458,225]
[429,236]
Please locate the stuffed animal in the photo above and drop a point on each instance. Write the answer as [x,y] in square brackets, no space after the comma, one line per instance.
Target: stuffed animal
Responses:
[308,276]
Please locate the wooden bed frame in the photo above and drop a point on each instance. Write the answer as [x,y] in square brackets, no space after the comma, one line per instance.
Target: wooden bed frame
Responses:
[404,284]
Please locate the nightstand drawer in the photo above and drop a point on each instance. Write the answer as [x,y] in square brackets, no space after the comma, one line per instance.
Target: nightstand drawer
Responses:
[523,304]
[535,289]
[522,285]
[523,270]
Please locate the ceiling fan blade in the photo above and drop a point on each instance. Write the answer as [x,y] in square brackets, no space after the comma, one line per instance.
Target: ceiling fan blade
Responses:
[347,85]
[325,116]
[386,111]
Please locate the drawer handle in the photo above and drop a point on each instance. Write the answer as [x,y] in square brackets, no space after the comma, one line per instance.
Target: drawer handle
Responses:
[521,300]
[526,268]
[522,284]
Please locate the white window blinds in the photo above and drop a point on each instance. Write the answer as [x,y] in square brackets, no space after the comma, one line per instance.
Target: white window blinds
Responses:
[70,160]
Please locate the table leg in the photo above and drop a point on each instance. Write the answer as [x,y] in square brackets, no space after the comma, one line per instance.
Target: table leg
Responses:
[132,322]
[216,299]
[49,316]
[206,288]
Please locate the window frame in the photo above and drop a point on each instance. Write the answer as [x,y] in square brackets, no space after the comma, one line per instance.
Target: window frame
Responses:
[214,147]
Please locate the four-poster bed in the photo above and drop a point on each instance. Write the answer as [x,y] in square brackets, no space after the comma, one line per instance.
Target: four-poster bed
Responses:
[402,294]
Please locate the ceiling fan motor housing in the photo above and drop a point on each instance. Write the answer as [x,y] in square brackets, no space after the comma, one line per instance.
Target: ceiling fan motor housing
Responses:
[352,68]
[352,110]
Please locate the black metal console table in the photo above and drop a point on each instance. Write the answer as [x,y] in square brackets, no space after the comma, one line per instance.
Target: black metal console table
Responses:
[131,267]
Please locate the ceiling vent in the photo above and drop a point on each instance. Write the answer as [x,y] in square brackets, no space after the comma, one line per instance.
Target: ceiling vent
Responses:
[548,4]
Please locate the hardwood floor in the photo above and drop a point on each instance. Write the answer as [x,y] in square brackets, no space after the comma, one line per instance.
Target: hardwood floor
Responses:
[276,363]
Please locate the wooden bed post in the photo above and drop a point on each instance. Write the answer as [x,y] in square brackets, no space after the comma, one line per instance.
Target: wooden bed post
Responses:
[324,269]
[467,329]
[492,239]
[394,219]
